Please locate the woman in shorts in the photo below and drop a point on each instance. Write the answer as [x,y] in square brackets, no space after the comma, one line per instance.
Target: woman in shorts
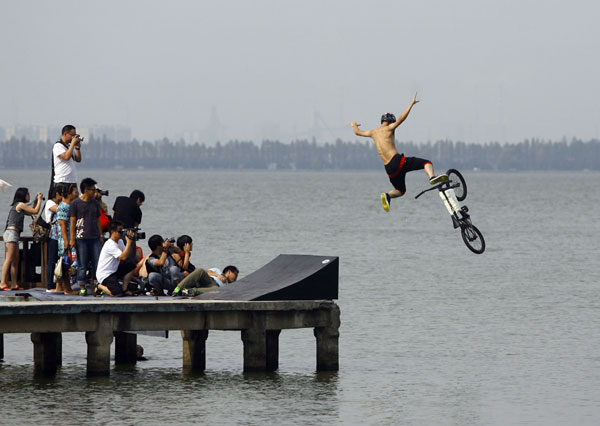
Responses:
[12,232]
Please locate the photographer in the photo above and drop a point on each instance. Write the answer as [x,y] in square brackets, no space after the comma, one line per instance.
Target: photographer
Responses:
[163,273]
[12,232]
[110,269]
[65,153]
[181,255]
[127,210]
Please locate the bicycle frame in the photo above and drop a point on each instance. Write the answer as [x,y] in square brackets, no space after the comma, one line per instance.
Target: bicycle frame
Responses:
[472,237]
[450,202]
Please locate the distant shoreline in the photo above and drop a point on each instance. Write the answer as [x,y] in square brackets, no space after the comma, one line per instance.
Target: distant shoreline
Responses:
[534,155]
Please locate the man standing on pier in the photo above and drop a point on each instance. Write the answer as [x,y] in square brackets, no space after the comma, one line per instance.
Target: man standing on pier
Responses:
[65,153]
[86,232]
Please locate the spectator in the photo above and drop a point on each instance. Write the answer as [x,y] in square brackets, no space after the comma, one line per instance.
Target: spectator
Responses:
[114,263]
[127,209]
[227,276]
[200,281]
[69,194]
[181,255]
[86,232]
[12,234]
[105,218]
[54,199]
[163,274]
[65,153]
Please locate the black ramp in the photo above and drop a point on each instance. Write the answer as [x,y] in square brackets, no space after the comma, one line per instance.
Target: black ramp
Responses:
[287,277]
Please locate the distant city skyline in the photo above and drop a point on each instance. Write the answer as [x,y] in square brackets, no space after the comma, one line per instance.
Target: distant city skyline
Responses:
[213,131]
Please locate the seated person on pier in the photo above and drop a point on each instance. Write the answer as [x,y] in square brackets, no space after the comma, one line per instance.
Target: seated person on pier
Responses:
[181,254]
[200,281]
[163,273]
[114,263]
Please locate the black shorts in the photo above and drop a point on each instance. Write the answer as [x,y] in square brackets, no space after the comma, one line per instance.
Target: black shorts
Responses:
[112,281]
[399,165]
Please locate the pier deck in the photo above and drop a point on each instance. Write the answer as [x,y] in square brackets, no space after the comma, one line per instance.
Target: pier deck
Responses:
[260,323]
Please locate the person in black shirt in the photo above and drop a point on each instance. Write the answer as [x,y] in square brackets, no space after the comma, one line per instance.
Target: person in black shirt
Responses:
[127,209]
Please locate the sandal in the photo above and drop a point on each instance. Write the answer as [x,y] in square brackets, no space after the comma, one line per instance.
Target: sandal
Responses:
[4,288]
[18,287]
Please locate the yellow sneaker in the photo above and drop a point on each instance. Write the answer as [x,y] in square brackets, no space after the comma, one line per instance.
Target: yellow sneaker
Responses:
[438,179]
[385,201]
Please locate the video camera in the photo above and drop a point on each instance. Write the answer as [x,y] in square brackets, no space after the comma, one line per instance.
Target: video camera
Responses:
[137,234]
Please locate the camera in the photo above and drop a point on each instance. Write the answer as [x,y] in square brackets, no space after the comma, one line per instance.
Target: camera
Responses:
[137,234]
[81,138]
[171,240]
[102,192]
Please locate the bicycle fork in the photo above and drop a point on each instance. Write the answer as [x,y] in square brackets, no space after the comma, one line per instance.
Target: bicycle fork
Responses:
[449,198]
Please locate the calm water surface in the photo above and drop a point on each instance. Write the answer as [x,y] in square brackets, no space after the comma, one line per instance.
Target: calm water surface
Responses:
[431,334]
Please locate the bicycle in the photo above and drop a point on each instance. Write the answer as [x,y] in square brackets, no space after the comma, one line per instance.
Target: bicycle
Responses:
[452,191]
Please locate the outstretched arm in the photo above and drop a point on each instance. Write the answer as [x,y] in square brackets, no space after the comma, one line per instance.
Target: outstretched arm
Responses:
[405,113]
[359,132]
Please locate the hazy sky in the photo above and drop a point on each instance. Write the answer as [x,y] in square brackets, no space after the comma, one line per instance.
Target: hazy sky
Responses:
[485,70]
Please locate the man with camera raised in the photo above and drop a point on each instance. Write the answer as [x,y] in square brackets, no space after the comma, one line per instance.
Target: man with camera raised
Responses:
[65,153]
[163,273]
[110,269]
[127,211]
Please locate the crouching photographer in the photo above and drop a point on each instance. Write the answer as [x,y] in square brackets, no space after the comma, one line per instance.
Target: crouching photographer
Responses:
[163,273]
[114,263]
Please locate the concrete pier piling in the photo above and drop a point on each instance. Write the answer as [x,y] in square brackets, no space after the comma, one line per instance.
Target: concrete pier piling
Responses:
[104,321]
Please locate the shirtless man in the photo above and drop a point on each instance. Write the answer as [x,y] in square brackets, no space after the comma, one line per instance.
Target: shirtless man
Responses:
[396,165]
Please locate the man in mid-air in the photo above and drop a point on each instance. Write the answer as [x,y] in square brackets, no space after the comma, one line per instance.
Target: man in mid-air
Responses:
[396,165]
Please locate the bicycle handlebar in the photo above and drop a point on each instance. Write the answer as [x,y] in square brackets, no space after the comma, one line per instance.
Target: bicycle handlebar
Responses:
[439,188]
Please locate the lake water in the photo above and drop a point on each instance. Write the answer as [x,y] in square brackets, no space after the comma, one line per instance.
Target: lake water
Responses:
[431,333]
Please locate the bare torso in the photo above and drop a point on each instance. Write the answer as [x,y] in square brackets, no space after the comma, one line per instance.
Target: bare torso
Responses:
[384,139]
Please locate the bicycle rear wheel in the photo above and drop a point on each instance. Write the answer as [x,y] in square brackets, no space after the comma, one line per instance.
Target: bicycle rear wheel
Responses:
[473,238]
[454,176]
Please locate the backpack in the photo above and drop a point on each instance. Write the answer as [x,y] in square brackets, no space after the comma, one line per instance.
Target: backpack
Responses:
[40,228]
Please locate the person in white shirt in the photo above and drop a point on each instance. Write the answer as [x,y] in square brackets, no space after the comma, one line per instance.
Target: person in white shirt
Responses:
[222,278]
[65,153]
[110,269]
[54,199]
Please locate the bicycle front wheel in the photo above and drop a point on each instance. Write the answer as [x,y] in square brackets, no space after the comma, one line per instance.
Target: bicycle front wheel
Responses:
[454,176]
[473,238]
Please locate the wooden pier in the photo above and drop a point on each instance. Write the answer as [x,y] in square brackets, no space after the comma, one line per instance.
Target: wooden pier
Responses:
[260,323]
